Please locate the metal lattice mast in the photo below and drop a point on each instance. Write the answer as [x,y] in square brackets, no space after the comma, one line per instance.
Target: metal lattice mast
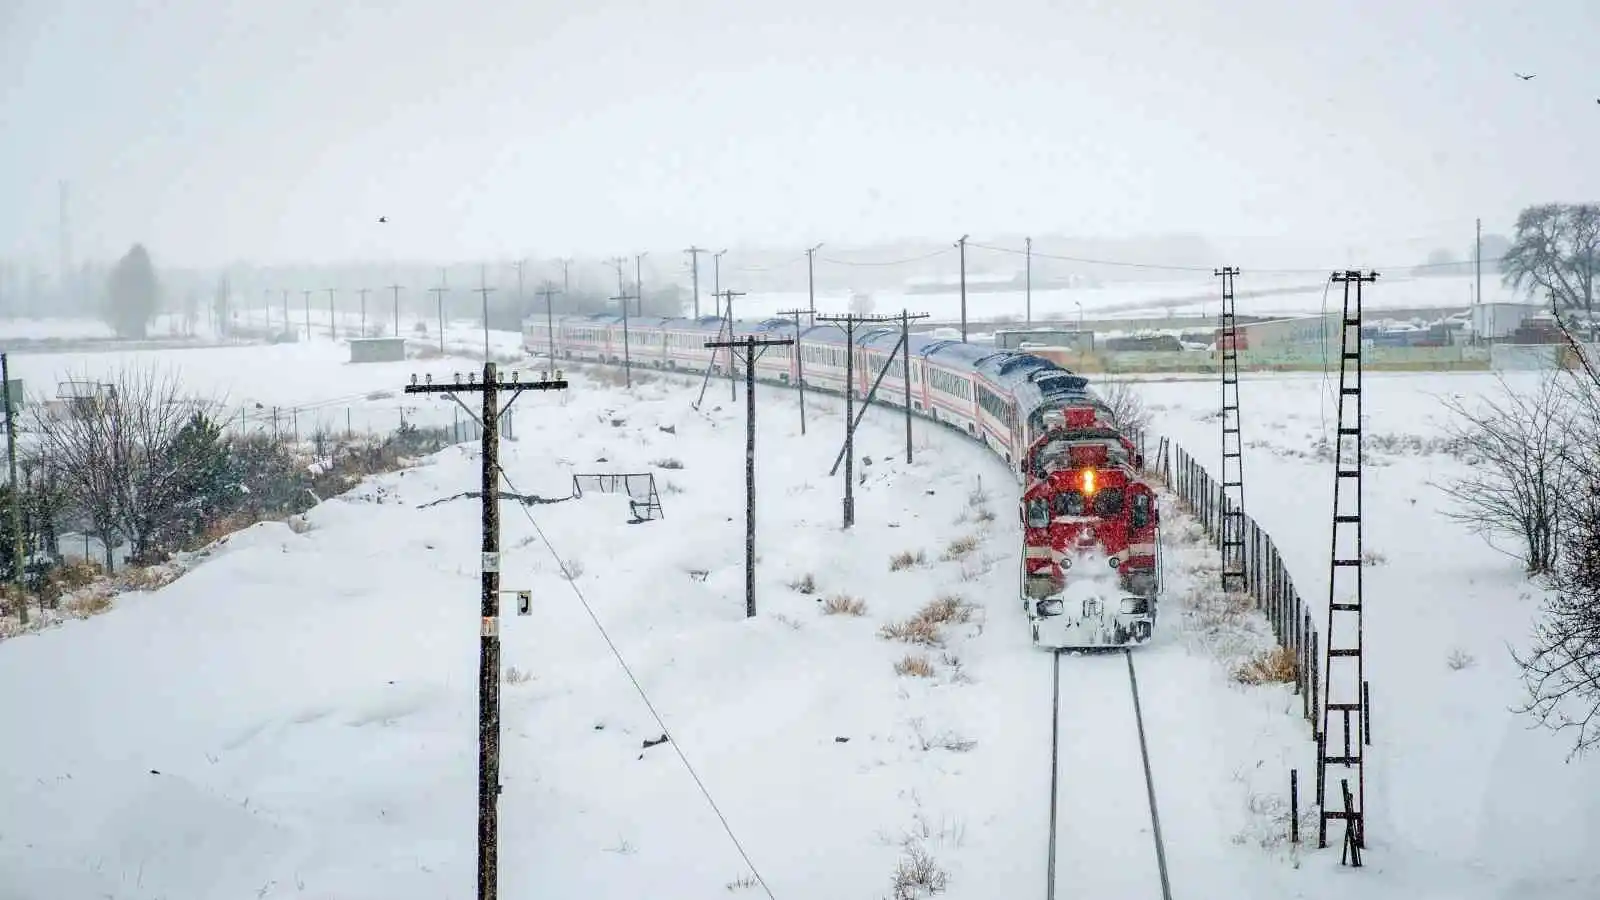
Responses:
[1232,530]
[1343,737]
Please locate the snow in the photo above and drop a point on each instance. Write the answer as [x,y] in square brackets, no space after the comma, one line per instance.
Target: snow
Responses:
[1455,777]
[296,715]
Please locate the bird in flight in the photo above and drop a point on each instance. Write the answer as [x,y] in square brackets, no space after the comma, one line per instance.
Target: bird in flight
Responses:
[1526,77]
[383,219]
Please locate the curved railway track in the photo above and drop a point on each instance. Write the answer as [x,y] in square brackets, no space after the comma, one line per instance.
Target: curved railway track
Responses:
[1105,830]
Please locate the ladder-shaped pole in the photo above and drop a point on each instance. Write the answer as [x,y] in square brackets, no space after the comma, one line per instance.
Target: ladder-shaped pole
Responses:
[1232,530]
[1342,739]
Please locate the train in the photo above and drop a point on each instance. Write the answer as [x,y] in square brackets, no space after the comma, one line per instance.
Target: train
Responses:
[1090,570]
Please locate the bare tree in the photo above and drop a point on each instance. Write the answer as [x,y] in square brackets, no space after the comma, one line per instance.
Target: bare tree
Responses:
[1562,669]
[113,450]
[1128,412]
[1557,250]
[1518,446]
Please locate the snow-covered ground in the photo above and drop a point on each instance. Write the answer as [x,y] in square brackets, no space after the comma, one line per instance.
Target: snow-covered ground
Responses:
[1458,783]
[296,715]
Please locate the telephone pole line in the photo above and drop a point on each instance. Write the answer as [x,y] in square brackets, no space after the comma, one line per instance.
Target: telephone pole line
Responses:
[753,348]
[333,322]
[364,292]
[811,279]
[963,245]
[799,363]
[694,262]
[484,289]
[489,623]
[549,316]
[287,327]
[308,315]
[728,295]
[396,289]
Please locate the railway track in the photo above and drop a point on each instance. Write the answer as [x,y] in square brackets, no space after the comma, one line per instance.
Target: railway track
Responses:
[1105,832]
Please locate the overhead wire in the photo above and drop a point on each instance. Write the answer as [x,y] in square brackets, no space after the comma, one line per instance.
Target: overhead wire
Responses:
[643,695]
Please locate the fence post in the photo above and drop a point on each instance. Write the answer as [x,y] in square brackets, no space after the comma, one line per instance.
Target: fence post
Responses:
[1294,806]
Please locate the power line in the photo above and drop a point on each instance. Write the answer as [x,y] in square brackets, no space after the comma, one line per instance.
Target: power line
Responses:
[889,262]
[1208,270]
[639,688]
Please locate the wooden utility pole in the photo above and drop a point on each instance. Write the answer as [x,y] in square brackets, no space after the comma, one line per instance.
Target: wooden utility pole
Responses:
[1028,279]
[728,296]
[16,489]
[694,261]
[753,348]
[905,370]
[308,315]
[287,328]
[799,363]
[489,624]
[963,245]
[484,289]
[638,282]
[549,316]
[396,289]
[811,279]
[333,320]
[364,292]
[438,296]
[851,417]
[622,299]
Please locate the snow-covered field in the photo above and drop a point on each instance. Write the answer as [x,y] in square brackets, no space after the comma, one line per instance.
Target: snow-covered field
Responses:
[296,715]
[1456,780]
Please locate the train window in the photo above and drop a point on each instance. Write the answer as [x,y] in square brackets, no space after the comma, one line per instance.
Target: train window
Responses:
[1037,514]
[1141,510]
[1069,503]
[1108,503]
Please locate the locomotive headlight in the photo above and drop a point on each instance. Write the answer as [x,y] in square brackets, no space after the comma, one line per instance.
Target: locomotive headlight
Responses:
[1088,482]
[1133,606]
[1115,562]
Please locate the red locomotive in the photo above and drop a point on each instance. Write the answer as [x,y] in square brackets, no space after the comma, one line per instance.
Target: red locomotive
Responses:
[1091,568]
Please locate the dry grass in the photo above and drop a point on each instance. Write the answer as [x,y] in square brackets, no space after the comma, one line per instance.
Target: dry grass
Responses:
[1275,666]
[960,548]
[1459,659]
[572,569]
[924,627]
[844,604]
[667,463]
[1373,558]
[146,578]
[515,675]
[805,584]
[917,876]
[906,559]
[913,631]
[87,603]
[914,664]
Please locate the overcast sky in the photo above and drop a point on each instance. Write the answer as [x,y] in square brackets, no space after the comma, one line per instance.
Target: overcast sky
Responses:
[279,130]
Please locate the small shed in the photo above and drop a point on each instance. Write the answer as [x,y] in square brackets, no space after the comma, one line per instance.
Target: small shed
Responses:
[378,349]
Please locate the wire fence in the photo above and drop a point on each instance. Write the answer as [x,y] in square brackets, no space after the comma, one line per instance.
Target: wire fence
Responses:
[351,420]
[1267,579]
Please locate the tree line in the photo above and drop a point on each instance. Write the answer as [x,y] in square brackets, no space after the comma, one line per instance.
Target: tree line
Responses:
[137,461]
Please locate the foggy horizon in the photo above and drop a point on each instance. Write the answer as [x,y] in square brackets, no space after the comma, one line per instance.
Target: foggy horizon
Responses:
[1328,134]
